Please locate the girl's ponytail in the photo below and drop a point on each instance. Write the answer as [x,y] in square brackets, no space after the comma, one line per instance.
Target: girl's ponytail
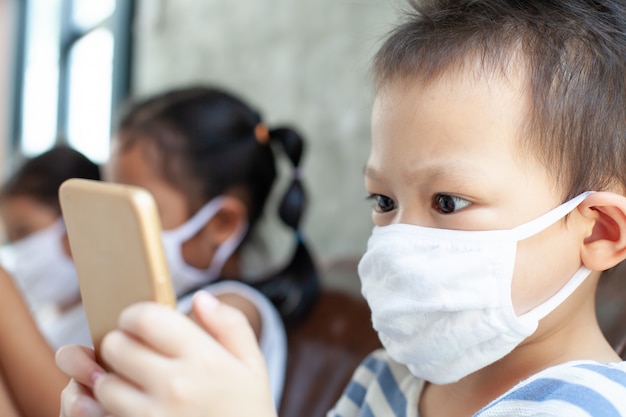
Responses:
[295,288]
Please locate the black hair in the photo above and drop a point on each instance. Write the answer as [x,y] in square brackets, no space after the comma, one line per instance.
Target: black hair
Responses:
[211,142]
[41,176]
[573,53]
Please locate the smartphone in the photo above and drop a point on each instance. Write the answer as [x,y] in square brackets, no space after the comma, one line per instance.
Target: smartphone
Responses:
[114,234]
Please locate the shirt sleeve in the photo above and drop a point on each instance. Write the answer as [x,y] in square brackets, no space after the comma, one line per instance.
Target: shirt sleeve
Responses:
[379,387]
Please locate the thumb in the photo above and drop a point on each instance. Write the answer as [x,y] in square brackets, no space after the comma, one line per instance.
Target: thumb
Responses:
[77,401]
[229,327]
[79,363]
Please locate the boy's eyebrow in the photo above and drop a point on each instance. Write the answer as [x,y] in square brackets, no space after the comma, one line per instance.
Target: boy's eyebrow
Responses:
[457,171]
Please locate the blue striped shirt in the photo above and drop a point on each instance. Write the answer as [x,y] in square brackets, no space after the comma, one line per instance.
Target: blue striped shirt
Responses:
[381,387]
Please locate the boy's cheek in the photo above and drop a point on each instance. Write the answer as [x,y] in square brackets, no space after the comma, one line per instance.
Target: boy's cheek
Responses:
[544,263]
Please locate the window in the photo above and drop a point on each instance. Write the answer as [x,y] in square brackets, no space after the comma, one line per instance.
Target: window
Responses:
[73,71]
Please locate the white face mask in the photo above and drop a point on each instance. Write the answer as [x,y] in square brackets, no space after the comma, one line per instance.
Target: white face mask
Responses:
[184,276]
[441,299]
[41,268]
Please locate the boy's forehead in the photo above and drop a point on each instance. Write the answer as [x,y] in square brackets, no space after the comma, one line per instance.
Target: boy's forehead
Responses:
[452,112]
[410,95]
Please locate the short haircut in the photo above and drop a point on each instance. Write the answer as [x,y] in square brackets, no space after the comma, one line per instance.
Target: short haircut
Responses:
[574,56]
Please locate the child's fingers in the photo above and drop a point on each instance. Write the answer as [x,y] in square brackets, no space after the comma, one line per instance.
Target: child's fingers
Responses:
[167,365]
[79,363]
[76,401]
[121,398]
[133,360]
[165,330]
[229,327]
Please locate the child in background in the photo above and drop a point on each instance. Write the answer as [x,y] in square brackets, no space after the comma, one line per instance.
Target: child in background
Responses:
[42,280]
[38,255]
[208,160]
[498,178]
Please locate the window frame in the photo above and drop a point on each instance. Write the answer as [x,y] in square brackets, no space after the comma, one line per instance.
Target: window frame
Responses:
[122,23]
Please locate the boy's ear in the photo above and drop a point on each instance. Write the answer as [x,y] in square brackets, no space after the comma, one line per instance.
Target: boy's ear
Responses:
[605,247]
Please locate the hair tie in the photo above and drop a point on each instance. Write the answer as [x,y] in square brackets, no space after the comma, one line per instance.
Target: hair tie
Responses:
[262,133]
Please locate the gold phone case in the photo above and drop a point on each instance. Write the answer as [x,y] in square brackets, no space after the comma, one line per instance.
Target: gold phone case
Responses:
[115,237]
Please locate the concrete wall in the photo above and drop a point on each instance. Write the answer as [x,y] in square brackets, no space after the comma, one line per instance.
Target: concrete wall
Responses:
[302,62]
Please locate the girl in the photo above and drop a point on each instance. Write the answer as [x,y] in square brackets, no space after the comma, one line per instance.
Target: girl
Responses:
[207,159]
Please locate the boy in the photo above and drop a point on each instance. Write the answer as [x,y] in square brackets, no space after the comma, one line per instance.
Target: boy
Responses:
[498,177]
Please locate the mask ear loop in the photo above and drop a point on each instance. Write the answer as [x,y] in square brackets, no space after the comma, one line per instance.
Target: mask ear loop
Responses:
[545,308]
[226,249]
[539,224]
[532,228]
[188,229]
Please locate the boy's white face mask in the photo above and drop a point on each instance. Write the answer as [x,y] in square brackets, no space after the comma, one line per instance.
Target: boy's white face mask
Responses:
[441,299]
[42,269]
[184,276]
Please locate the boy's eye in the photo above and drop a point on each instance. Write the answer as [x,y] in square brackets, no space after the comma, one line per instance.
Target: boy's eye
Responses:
[447,204]
[383,204]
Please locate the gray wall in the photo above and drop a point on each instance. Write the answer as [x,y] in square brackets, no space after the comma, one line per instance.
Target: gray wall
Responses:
[301,62]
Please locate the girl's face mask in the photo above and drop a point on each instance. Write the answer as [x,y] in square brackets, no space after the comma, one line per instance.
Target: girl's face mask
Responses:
[184,276]
[41,267]
[441,299]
